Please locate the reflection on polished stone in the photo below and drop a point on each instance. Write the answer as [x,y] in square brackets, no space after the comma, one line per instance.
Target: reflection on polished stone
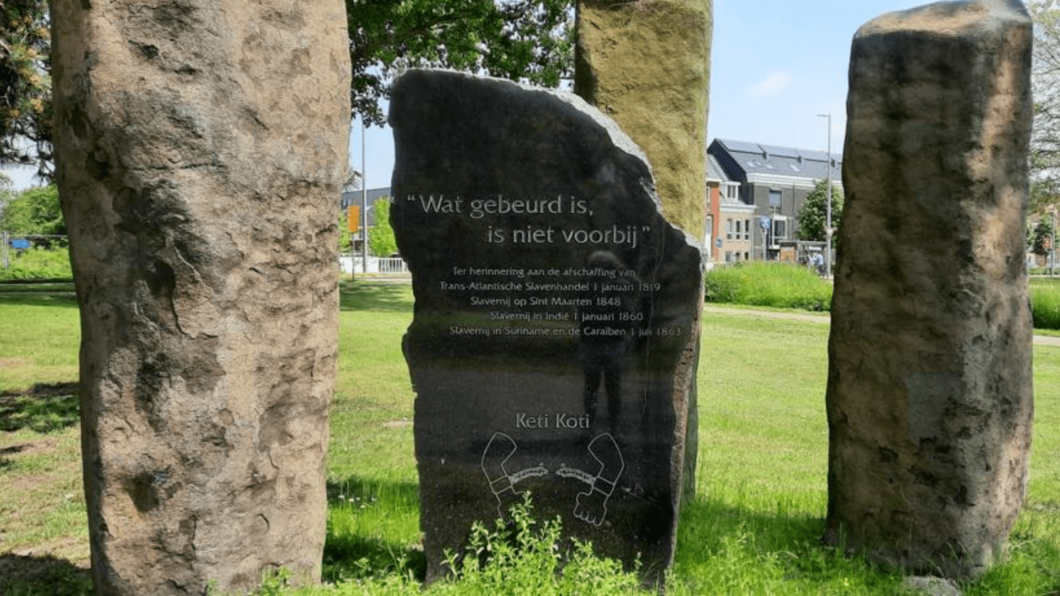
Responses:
[553,305]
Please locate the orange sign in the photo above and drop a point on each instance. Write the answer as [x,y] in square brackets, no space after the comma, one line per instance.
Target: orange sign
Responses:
[353,218]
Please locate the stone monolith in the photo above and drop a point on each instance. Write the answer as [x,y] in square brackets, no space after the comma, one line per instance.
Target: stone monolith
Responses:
[646,64]
[929,389]
[199,149]
[554,305]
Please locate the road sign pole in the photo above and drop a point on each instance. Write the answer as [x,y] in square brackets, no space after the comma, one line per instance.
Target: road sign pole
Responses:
[763,222]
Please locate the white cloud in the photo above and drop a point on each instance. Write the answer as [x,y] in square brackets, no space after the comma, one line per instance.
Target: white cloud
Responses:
[772,84]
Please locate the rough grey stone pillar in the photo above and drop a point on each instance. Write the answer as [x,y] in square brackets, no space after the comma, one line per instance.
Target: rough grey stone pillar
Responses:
[200,146]
[929,390]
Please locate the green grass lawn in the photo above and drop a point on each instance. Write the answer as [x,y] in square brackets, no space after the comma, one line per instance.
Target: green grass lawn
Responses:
[753,528]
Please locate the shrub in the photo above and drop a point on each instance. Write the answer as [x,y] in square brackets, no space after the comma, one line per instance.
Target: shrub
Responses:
[777,285]
[1045,304]
[37,264]
[520,558]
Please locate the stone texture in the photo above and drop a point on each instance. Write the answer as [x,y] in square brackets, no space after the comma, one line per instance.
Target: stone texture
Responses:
[931,586]
[646,64]
[200,146]
[553,309]
[929,390]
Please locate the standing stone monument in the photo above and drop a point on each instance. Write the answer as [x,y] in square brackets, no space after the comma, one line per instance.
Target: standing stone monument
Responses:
[929,388]
[553,307]
[200,147]
[647,66]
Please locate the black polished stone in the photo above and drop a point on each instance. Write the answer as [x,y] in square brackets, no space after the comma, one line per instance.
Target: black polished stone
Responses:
[553,304]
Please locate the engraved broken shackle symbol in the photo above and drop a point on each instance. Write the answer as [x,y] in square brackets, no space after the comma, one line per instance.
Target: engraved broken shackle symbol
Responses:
[498,451]
[590,506]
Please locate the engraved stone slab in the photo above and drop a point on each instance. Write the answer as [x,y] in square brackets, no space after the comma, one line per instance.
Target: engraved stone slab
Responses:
[553,306]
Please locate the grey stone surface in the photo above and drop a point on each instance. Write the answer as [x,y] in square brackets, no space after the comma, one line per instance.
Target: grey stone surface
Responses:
[932,586]
[553,309]
[200,146]
[929,390]
[647,65]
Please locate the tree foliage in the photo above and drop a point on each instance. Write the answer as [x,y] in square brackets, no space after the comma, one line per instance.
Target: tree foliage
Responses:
[25,85]
[34,211]
[345,236]
[812,215]
[381,239]
[526,40]
[1045,82]
[1037,240]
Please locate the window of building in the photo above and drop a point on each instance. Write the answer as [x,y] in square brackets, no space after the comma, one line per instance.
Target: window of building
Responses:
[728,257]
[728,229]
[746,229]
[739,229]
[730,191]
[780,229]
[774,198]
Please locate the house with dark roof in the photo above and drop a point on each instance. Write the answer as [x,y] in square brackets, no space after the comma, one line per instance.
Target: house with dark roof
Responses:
[353,198]
[728,230]
[774,181]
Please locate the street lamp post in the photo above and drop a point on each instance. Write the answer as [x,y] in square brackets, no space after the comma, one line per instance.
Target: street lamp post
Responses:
[1052,245]
[364,206]
[828,204]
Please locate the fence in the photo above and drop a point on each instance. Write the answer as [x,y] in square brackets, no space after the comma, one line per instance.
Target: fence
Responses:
[386,265]
[14,243]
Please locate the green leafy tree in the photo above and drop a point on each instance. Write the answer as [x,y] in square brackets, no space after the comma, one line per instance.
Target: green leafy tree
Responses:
[345,237]
[34,211]
[381,236]
[1045,83]
[25,85]
[6,193]
[1043,230]
[527,40]
[812,215]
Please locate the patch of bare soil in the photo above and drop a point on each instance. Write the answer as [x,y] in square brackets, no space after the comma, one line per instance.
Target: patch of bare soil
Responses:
[13,362]
[29,447]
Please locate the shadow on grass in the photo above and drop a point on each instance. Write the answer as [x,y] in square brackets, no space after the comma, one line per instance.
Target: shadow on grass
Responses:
[47,575]
[375,296]
[785,543]
[349,555]
[37,297]
[44,408]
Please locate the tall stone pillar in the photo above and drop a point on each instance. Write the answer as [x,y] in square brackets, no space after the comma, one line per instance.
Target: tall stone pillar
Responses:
[646,64]
[929,389]
[200,147]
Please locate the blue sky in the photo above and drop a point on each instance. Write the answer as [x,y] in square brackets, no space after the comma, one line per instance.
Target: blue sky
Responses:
[775,65]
